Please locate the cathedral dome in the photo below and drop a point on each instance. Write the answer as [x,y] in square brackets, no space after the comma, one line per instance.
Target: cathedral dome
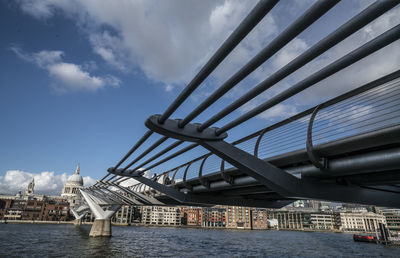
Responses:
[75,179]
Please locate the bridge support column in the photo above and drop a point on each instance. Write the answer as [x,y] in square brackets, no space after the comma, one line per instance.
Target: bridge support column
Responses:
[102,224]
[79,213]
[78,222]
[101,228]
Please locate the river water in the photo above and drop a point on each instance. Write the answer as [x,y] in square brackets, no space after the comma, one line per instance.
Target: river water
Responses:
[32,240]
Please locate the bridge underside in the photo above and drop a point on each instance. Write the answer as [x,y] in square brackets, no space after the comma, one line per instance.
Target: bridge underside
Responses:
[369,161]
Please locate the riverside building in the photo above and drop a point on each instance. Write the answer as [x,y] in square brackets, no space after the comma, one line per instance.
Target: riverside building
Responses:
[126,215]
[191,216]
[259,218]
[160,215]
[238,217]
[31,206]
[37,210]
[214,217]
[361,221]
[292,220]
[325,221]
[392,218]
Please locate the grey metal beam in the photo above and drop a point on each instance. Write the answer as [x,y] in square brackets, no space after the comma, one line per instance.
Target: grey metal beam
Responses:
[252,19]
[354,24]
[189,198]
[183,150]
[123,198]
[368,48]
[370,140]
[147,151]
[369,162]
[299,25]
[167,149]
[146,199]
[292,187]
[127,199]
[351,165]
[135,147]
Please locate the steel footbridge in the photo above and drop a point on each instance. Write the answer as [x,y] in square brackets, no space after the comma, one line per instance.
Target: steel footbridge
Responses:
[346,149]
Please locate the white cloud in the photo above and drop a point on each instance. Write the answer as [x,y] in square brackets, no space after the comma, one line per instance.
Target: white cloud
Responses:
[88,181]
[38,9]
[111,49]
[170,40]
[45,182]
[167,41]
[378,64]
[290,52]
[279,111]
[168,87]
[67,76]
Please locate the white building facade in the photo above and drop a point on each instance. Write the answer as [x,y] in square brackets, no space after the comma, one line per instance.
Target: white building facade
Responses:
[160,215]
[361,221]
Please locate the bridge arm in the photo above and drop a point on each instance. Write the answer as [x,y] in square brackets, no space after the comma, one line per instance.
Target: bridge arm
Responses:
[96,209]
[146,200]
[203,199]
[124,198]
[302,188]
[99,192]
[80,212]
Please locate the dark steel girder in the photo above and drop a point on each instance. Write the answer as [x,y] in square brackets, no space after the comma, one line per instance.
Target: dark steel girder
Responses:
[290,186]
[136,201]
[192,198]
[117,196]
[144,199]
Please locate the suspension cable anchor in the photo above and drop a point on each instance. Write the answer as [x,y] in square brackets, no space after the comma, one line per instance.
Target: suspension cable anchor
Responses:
[189,132]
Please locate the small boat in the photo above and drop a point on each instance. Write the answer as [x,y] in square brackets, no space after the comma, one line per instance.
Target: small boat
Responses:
[364,238]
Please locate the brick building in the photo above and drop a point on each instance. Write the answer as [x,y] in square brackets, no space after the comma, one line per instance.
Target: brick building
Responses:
[41,210]
[213,217]
[259,218]
[55,210]
[238,217]
[191,216]
[33,210]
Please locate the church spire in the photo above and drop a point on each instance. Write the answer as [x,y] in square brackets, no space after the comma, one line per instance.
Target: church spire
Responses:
[30,188]
[78,168]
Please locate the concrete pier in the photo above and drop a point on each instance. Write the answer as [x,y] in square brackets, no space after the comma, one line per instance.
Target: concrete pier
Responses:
[101,228]
[78,222]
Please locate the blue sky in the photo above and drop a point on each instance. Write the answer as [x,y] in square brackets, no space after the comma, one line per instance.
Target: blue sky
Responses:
[79,78]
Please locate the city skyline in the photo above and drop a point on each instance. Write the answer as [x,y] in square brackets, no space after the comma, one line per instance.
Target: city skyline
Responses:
[78,82]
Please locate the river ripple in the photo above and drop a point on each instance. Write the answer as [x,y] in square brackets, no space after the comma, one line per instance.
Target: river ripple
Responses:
[31,240]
